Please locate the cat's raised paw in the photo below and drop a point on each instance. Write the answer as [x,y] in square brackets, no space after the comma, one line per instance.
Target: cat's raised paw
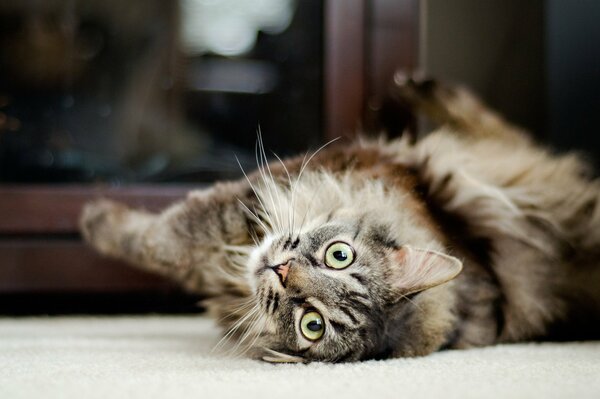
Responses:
[98,220]
[415,88]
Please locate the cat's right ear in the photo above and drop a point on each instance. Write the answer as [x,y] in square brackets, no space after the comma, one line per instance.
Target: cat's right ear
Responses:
[419,269]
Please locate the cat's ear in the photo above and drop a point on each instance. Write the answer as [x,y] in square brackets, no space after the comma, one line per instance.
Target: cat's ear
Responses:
[419,269]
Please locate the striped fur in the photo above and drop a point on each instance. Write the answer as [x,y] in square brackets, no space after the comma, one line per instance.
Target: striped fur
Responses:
[471,236]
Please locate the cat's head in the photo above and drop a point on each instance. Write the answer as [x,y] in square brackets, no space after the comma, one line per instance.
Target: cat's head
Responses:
[338,288]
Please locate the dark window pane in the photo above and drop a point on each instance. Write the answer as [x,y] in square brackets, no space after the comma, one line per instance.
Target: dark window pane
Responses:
[152,90]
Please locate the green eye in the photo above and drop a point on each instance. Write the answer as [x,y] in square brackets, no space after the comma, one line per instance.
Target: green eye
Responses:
[339,255]
[312,326]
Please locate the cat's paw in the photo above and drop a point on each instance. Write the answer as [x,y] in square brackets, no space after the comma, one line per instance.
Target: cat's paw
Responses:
[441,102]
[98,223]
[417,89]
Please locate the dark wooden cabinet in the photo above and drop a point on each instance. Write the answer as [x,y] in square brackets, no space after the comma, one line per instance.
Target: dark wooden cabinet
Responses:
[46,268]
[363,42]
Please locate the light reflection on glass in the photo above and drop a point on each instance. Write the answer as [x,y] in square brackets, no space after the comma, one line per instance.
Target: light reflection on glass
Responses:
[102,90]
[230,27]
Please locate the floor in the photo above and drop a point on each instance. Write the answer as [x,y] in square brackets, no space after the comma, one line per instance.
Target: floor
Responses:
[170,357]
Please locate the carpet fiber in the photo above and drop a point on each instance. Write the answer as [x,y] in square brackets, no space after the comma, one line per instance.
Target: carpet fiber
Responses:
[170,357]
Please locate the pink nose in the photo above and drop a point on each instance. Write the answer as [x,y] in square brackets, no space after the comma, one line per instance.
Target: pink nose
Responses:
[282,271]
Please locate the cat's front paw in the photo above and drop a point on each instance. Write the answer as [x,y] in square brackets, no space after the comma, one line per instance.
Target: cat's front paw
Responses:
[444,103]
[98,223]
[415,88]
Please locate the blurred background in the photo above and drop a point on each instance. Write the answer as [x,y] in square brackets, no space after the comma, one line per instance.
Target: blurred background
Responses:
[142,100]
[153,91]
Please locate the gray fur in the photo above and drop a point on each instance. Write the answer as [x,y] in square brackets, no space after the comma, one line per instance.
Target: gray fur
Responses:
[470,237]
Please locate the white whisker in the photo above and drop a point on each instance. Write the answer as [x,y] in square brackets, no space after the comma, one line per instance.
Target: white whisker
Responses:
[255,216]
[234,328]
[273,184]
[257,335]
[256,193]
[314,154]
[247,331]
[291,213]
[266,184]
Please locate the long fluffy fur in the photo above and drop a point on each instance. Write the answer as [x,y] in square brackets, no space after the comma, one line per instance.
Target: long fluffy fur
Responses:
[524,223]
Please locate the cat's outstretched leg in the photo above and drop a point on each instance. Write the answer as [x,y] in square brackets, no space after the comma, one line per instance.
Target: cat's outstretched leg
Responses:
[186,242]
[452,106]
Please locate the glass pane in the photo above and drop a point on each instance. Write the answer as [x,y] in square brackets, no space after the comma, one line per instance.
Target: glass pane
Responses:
[153,90]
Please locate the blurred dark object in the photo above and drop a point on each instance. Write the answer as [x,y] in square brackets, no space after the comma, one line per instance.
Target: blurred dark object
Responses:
[137,97]
[53,303]
[537,62]
[93,87]
[154,92]
[111,91]
[276,87]
[573,60]
[41,254]
[394,115]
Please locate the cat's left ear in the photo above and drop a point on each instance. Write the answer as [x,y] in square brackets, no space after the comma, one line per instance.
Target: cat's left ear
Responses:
[419,269]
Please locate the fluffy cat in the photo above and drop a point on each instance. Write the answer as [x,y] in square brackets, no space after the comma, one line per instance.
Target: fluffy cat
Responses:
[471,236]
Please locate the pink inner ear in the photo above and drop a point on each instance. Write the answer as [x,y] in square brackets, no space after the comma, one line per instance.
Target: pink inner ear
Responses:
[417,269]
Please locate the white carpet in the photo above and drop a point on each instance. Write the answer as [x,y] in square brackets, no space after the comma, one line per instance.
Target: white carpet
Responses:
[169,357]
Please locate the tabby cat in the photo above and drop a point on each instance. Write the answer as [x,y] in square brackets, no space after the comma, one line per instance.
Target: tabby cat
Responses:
[471,236]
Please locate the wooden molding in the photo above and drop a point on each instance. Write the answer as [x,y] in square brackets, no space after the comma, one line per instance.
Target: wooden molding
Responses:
[39,246]
[61,265]
[393,43]
[365,43]
[49,209]
[344,80]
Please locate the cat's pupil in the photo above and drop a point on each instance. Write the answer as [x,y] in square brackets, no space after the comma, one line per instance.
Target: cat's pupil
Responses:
[340,255]
[314,325]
